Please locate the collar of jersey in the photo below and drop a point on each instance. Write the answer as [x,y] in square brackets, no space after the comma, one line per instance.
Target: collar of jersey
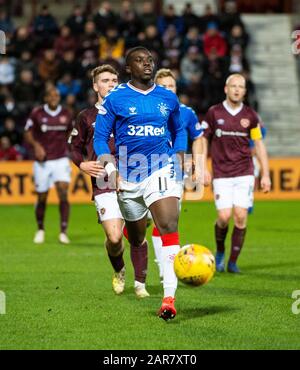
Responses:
[52,113]
[233,112]
[144,92]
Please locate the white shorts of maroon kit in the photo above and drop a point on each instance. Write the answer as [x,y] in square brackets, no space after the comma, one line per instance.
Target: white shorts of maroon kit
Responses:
[233,192]
[136,198]
[49,172]
[107,206]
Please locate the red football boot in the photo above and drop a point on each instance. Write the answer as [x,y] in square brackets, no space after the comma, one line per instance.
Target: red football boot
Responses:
[167,310]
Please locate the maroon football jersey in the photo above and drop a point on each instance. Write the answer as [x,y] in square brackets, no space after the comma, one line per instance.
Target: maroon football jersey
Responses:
[82,141]
[51,130]
[228,132]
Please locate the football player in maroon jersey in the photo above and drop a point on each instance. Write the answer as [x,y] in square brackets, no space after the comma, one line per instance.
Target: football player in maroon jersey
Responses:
[105,78]
[228,127]
[47,130]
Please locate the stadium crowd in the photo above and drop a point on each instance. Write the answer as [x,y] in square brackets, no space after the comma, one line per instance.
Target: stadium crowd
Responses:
[200,50]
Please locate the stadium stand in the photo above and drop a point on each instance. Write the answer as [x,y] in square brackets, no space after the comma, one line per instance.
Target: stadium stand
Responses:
[60,43]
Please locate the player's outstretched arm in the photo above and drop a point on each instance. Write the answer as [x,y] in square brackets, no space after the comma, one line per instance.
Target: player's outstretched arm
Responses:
[262,156]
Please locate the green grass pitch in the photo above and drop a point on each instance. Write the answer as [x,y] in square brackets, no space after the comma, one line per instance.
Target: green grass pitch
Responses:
[60,297]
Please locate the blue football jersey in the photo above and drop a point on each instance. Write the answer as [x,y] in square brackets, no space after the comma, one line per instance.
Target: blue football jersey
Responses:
[190,123]
[142,123]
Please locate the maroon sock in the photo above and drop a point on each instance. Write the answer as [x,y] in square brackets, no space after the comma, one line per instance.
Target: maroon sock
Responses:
[117,262]
[220,236]
[237,241]
[40,214]
[139,258]
[64,210]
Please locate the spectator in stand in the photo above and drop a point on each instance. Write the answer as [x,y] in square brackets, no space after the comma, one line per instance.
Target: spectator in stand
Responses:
[237,62]
[105,17]
[214,40]
[148,16]
[168,18]
[68,86]
[190,19]
[191,67]
[89,41]
[21,41]
[230,17]
[208,17]
[8,107]
[238,36]
[6,24]
[192,38]
[26,91]
[129,24]
[7,70]
[76,21]
[88,62]
[214,74]
[12,132]
[111,46]
[7,151]
[172,44]
[27,62]
[152,41]
[65,41]
[71,64]
[45,28]
[48,67]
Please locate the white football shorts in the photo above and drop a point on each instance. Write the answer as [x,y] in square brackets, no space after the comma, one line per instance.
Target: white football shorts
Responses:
[233,192]
[49,172]
[107,206]
[136,198]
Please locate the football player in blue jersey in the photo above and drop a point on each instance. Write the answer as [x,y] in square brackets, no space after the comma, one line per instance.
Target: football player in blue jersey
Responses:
[193,130]
[143,117]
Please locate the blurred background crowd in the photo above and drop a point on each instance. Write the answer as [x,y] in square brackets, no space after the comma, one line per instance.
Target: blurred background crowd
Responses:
[201,50]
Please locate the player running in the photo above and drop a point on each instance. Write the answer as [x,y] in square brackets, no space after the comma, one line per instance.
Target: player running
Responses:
[142,117]
[47,130]
[228,127]
[104,78]
[193,131]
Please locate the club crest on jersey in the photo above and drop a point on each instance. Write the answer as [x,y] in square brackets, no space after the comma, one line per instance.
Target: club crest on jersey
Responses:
[220,121]
[163,108]
[132,110]
[245,122]
[102,110]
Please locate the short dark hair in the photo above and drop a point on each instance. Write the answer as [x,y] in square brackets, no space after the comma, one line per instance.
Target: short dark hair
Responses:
[133,50]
